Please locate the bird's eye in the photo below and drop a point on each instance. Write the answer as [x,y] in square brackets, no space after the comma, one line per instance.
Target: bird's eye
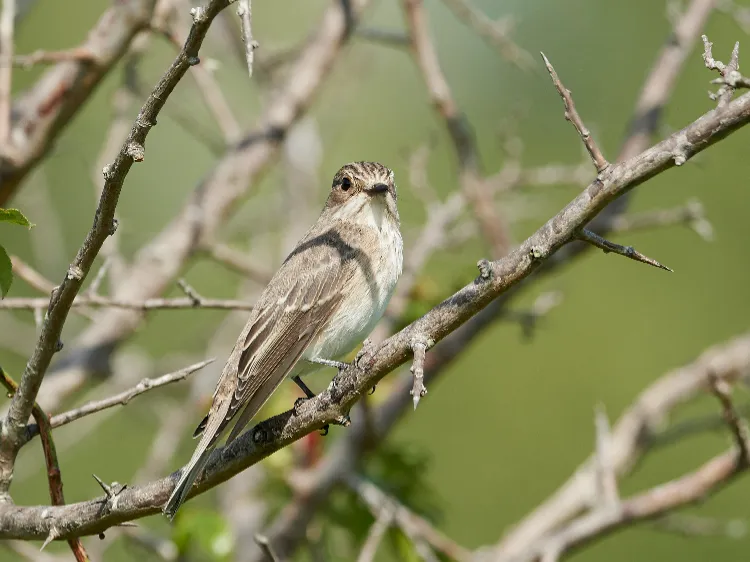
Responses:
[346,183]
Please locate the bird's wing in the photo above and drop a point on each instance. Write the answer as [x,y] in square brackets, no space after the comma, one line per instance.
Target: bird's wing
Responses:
[282,329]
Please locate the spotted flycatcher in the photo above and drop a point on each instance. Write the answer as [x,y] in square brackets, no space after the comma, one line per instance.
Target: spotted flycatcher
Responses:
[325,298]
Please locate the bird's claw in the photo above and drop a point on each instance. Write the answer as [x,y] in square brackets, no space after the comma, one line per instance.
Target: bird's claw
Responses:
[372,390]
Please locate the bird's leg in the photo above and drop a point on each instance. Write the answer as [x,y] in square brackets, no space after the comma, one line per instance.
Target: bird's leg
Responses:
[310,394]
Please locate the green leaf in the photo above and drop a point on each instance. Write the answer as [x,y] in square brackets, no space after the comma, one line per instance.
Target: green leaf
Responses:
[204,529]
[6,273]
[14,216]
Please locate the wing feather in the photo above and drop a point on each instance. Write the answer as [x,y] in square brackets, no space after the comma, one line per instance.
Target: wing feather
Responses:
[282,330]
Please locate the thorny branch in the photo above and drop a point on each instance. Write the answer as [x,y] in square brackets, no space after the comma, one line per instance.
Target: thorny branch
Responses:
[349,385]
[571,114]
[54,475]
[63,297]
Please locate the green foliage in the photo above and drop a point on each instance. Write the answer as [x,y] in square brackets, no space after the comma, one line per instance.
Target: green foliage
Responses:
[400,471]
[6,272]
[204,533]
[12,216]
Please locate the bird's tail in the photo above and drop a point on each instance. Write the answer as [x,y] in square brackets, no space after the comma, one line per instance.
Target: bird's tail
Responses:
[189,474]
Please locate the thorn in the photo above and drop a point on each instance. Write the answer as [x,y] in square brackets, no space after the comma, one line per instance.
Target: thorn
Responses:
[53,534]
[627,251]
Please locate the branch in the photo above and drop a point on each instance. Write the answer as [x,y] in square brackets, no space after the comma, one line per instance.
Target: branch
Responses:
[634,433]
[691,213]
[413,525]
[571,114]
[351,383]
[120,399]
[497,33]
[54,476]
[158,263]
[729,72]
[473,184]
[245,11]
[627,251]
[7,16]
[287,530]
[62,299]
[22,303]
[691,488]
[42,112]
[419,346]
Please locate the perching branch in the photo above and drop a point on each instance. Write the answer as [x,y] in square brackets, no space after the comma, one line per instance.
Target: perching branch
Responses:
[349,385]
[62,299]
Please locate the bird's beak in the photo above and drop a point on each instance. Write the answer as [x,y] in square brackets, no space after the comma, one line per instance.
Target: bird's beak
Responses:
[377,189]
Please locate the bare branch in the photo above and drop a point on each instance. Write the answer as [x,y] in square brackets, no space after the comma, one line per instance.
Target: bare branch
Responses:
[245,11]
[689,489]
[80,54]
[54,476]
[607,477]
[238,261]
[627,251]
[497,33]
[62,299]
[729,72]
[721,389]
[473,184]
[419,347]
[7,16]
[21,303]
[349,385]
[414,526]
[158,263]
[120,399]
[375,535]
[42,112]
[631,437]
[691,214]
[571,114]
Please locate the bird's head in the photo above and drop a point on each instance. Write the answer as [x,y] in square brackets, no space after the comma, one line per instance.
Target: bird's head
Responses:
[363,191]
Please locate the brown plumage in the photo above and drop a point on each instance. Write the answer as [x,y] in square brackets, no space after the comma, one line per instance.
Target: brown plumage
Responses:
[325,298]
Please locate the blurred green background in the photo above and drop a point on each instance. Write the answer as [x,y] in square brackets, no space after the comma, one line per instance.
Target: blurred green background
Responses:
[511,419]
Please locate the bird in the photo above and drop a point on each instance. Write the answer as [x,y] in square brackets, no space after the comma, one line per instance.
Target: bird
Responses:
[325,299]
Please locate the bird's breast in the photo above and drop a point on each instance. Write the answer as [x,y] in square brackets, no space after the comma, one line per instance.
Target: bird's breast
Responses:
[366,295]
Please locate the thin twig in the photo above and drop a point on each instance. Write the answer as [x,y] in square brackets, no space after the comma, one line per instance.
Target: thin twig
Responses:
[571,114]
[497,33]
[419,347]
[691,214]
[54,476]
[729,72]
[82,54]
[238,261]
[7,16]
[375,535]
[627,251]
[119,399]
[177,303]
[721,389]
[413,525]
[605,467]
[245,11]
[472,181]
